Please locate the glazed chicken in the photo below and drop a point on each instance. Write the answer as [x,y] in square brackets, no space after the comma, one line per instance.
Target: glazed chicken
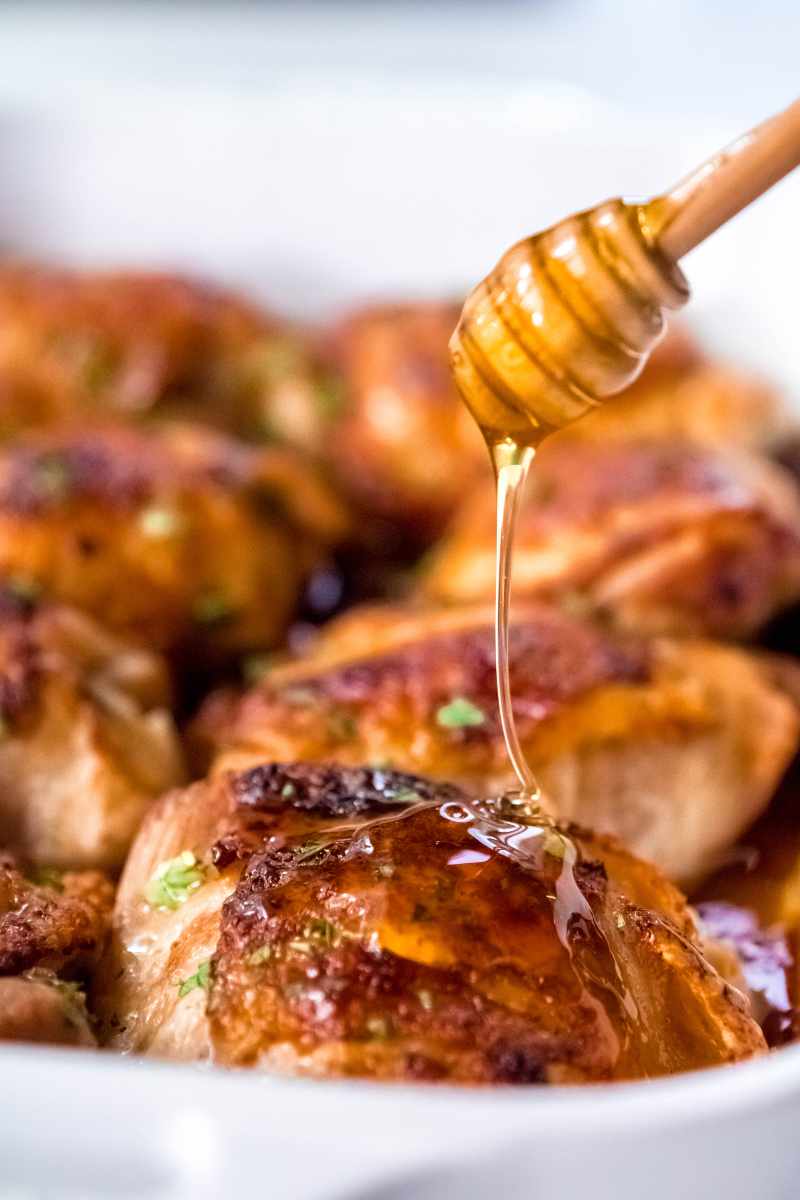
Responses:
[359,922]
[405,448]
[657,536]
[180,537]
[87,738]
[53,928]
[674,747]
[77,345]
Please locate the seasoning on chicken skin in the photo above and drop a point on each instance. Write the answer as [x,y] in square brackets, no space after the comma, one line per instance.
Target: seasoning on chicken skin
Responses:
[674,747]
[52,932]
[87,738]
[363,922]
[658,536]
[179,537]
[77,345]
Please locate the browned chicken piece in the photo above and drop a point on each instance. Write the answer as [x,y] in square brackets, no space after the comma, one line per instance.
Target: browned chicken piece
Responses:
[690,399]
[75,345]
[674,747]
[53,928]
[179,537]
[352,921]
[87,741]
[405,446]
[657,536]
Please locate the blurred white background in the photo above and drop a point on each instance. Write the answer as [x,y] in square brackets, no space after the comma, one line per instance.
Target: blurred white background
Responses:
[729,58]
[319,153]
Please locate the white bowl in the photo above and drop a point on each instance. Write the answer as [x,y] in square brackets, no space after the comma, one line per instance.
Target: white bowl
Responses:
[311,200]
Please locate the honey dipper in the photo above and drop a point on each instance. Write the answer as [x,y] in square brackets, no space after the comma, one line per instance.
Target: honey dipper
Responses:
[568,317]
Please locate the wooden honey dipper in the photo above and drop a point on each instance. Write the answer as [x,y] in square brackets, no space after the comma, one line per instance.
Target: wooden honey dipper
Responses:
[568,317]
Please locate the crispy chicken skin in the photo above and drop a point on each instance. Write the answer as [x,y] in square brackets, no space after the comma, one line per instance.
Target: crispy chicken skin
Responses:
[179,537]
[75,345]
[50,932]
[658,536]
[363,923]
[674,747]
[404,447]
[87,737]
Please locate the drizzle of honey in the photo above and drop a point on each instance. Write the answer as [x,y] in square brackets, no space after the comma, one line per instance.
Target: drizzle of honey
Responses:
[565,319]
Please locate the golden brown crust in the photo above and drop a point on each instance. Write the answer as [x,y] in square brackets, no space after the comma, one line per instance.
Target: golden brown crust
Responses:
[662,536]
[180,537]
[61,927]
[77,344]
[674,746]
[378,930]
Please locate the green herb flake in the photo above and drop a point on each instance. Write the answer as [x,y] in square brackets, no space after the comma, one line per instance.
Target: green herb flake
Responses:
[159,523]
[261,955]
[460,713]
[288,790]
[174,880]
[23,588]
[212,608]
[330,396]
[256,666]
[341,726]
[52,477]
[200,979]
[324,932]
[47,877]
[405,796]
[308,850]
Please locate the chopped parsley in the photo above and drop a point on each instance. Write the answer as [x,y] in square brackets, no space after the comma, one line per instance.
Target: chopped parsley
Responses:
[288,790]
[53,477]
[341,726]
[47,877]
[23,588]
[212,608]
[200,979]
[158,522]
[174,880]
[330,396]
[309,850]
[256,666]
[460,713]
[261,955]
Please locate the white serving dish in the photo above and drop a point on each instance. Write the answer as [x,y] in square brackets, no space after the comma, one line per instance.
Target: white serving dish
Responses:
[311,199]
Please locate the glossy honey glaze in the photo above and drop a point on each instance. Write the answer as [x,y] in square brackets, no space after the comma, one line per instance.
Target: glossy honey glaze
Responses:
[565,319]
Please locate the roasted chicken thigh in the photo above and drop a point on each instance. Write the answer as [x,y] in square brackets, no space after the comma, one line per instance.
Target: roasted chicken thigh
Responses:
[350,921]
[75,346]
[179,537]
[52,930]
[674,747]
[659,536]
[87,737]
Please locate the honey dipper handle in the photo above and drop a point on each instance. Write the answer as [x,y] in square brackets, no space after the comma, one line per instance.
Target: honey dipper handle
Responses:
[725,184]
